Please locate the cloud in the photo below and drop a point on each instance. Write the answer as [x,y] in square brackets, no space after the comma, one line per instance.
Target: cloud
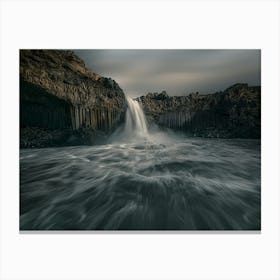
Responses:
[177,71]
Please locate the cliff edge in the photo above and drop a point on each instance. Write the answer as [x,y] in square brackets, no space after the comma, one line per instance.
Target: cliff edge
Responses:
[233,113]
[64,103]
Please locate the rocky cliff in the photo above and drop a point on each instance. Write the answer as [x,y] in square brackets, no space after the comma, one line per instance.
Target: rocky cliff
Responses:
[62,102]
[233,113]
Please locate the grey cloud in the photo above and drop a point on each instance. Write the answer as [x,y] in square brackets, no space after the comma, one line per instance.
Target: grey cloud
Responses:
[177,71]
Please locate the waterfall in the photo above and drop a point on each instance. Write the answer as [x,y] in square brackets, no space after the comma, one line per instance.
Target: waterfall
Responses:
[135,126]
[135,121]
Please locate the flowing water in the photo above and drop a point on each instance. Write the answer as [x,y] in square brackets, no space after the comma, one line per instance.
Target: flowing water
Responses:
[142,181]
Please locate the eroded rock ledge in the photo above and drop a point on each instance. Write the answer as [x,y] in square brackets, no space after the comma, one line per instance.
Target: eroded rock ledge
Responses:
[233,113]
[64,103]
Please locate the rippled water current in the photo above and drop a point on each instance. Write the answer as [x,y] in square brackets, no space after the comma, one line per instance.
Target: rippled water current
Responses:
[186,184]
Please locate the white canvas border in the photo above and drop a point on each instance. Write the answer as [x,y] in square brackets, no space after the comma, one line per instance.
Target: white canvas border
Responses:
[128,24]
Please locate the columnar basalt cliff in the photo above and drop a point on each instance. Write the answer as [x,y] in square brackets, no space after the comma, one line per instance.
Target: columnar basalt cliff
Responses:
[62,102]
[234,113]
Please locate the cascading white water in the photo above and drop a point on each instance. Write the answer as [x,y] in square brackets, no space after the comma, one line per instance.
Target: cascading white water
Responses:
[135,121]
[135,129]
[135,126]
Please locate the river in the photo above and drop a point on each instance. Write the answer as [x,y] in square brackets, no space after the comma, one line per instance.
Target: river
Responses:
[142,181]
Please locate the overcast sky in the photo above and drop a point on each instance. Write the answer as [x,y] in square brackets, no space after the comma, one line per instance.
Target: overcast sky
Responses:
[179,72]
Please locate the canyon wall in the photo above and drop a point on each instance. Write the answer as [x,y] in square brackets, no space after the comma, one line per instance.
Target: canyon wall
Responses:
[62,102]
[233,113]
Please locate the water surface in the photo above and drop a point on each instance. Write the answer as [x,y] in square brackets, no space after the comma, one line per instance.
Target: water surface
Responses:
[183,184]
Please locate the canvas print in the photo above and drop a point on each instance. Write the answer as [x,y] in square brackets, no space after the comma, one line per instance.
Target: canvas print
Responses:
[140,140]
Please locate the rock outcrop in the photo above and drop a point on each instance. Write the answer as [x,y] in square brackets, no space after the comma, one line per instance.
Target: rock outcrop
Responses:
[233,113]
[64,101]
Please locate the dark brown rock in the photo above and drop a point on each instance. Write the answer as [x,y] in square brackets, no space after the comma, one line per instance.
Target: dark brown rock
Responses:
[234,113]
[57,92]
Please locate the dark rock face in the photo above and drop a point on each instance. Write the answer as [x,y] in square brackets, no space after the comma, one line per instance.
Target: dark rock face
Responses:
[64,100]
[234,113]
